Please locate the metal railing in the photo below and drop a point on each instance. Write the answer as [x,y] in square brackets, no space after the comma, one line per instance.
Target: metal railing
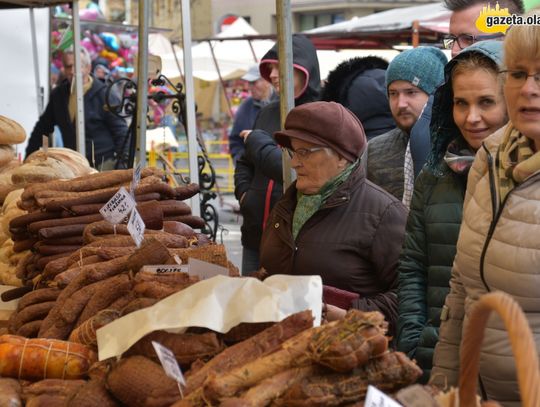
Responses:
[218,155]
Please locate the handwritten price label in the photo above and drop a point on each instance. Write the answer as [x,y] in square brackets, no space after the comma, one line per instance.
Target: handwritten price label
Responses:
[166,268]
[118,207]
[136,227]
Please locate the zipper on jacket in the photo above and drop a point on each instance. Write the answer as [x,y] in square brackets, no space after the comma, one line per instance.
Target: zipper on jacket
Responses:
[491,230]
[492,185]
[496,216]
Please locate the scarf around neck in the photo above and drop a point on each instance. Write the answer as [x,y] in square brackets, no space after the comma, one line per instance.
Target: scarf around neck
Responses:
[308,205]
[516,160]
[72,105]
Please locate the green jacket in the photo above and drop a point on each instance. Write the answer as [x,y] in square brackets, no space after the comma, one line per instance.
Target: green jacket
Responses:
[426,263]
[432,229]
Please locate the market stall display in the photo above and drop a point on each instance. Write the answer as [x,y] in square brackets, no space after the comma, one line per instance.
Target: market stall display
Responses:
[56,163]
[82,273]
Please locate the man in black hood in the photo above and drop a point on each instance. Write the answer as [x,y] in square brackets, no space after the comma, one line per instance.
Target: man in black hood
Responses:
[355,81]
[258,175]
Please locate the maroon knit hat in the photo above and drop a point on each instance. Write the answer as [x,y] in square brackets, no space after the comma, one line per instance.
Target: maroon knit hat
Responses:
[327,124]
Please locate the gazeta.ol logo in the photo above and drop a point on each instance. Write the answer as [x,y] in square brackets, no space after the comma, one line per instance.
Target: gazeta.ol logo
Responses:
[494,20]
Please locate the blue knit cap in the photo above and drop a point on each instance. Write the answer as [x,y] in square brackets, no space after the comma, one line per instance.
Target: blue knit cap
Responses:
[422,66]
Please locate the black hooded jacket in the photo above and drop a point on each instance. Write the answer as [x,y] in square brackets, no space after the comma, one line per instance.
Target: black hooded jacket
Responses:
[356,81]
[105,132]
[258,175]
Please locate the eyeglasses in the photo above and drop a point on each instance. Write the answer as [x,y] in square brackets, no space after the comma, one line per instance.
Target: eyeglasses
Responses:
[516,79]
[465,40]
[303,153]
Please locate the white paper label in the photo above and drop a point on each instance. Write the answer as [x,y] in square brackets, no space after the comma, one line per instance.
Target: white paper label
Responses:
[376,398]
[169,363]
[205,270]
[136,227]
[118,207]
[136,178]
[166,268]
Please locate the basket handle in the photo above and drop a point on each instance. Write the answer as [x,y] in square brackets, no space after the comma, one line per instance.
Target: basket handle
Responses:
[521,339]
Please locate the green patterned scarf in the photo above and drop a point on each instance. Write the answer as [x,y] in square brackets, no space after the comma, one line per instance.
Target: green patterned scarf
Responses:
[307,205]
[517,160]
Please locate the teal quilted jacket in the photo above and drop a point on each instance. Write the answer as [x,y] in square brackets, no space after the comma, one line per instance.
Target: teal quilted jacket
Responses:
[426,263]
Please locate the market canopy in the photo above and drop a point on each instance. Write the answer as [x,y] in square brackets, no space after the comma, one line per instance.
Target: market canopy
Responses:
[31,3]
[384,29]
[234,56]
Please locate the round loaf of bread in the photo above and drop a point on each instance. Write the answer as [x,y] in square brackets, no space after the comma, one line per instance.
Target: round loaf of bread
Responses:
[11,132]
[74,160]
[41,171]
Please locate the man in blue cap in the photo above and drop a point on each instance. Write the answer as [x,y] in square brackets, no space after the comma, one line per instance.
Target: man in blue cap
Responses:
[244,119]
[411,78]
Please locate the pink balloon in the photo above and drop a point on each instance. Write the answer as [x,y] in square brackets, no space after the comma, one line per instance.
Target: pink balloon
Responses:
[98,42]
[88,14]
[124,53]
[90,47]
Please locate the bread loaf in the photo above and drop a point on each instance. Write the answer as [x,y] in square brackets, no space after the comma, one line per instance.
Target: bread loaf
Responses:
[11,132]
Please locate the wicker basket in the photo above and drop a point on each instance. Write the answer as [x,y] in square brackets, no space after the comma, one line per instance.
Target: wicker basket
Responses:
[523,347]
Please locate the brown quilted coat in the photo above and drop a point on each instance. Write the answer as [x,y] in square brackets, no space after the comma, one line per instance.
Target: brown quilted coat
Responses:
[353,242]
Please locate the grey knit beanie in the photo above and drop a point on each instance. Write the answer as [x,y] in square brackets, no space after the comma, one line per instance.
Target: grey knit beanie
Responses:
[422,66]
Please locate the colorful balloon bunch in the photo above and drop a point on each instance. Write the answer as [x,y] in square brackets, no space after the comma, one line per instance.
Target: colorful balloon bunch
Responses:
[117,50]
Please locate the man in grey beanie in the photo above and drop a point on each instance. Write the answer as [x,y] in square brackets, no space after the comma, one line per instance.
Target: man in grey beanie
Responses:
[411,78]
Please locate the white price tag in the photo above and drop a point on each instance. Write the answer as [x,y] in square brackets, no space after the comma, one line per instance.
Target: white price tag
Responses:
[118,207]
[205,270]
[136,227]
[169,363]
[166,268]
[376,398]
[136,178]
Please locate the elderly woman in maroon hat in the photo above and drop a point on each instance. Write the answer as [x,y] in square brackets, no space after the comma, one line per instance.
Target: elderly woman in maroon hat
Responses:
[332,221]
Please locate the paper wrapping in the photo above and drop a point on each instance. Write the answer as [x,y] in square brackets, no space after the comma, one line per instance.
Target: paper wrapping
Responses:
[219,303]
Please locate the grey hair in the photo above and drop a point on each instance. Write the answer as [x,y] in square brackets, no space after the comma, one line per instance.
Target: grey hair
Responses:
[86,60]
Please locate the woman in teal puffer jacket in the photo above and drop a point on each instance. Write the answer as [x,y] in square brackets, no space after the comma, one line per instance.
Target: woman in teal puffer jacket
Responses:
[467,108]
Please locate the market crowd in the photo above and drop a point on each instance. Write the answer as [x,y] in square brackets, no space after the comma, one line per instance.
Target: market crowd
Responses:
[417,188]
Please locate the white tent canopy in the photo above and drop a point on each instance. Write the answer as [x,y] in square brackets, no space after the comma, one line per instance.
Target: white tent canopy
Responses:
[234,56]
[434,17]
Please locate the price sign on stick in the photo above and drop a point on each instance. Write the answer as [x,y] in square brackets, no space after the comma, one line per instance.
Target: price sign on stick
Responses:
[118,207]
[136,227]
[170,365]
[376,398]
[136,178]
[45,143]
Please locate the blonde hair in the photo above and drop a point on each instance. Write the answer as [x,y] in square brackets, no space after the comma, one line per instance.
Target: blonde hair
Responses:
[522,41]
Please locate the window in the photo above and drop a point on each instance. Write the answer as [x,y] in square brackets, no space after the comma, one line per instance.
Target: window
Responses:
[309,21]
